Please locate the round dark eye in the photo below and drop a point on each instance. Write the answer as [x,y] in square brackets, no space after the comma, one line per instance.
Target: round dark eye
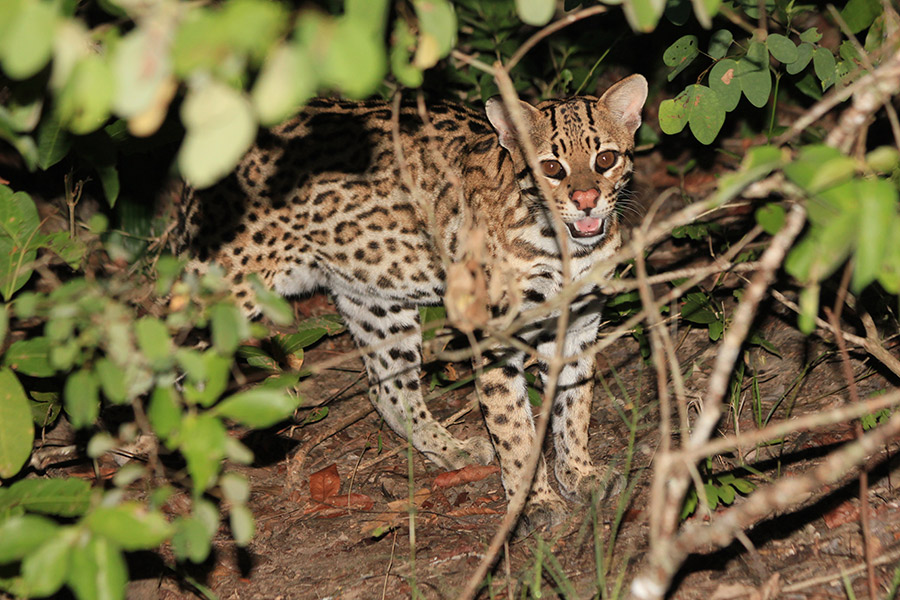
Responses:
[553,168]
[605,160]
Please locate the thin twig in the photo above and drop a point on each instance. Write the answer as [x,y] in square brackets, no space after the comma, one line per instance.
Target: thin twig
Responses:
[551,29]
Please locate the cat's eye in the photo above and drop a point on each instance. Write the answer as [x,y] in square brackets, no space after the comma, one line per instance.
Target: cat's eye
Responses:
[553,168]
[605,160]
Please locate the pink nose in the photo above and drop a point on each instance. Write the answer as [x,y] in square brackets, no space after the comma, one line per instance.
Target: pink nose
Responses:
[585,199]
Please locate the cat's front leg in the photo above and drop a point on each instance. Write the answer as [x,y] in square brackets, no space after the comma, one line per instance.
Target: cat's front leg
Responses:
[575,472]
[507,413]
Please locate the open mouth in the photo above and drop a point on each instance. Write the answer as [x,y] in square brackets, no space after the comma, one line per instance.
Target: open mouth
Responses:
[587,227]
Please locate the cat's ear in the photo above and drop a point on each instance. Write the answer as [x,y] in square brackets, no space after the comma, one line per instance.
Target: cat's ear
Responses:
[625,100]
[503,123]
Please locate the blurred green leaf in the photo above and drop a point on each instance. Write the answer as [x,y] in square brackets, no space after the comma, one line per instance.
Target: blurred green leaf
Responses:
[235,488]
[98,570]
[112,380]
[355,62]
[286,82]
[771,217]
[30,357]
[28,41]
[243,525]
[437,28]
[228,326]
[60,497]
[154,341]
[129,525]
[257,408]
[536,12]
[85,101]
[220,126]
[82,398]
[719,43]
[643,15]
[804,55]
[164,411]
[878,215]
[860,14]
[16,426]
[202,442]
[46,569]
[191,540]
[22,534]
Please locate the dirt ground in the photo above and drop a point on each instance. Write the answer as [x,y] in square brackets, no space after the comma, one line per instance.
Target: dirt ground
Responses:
[315,544]
[304,551]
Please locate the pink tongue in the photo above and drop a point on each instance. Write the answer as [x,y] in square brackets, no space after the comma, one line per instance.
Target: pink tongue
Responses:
[587,225]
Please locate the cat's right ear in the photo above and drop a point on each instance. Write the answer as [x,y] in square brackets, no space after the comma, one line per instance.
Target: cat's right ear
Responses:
[500,118]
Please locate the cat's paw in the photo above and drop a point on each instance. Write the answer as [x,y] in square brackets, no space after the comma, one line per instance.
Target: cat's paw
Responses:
[544,512]
[473,451]
[583,485]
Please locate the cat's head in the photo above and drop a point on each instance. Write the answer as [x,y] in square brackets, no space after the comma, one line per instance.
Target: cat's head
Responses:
[585,148]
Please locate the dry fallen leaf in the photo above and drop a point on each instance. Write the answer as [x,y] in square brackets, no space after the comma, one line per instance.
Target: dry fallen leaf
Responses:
[325,483]
[397,513]
[467,474]
[337,506]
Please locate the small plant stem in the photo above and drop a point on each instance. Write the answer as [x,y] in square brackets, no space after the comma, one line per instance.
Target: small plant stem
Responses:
[834,316]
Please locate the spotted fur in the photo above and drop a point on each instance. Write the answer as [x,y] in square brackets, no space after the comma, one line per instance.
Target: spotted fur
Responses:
[333,199]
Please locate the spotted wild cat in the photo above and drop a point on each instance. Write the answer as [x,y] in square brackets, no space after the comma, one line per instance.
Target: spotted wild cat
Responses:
[333,199]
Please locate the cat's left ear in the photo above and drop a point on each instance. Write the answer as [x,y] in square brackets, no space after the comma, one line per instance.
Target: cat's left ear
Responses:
[626,99]
[503,123]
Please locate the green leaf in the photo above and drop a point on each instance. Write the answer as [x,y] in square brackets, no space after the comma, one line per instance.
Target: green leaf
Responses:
[715,329]
[804,55]
[404,41]
[45,408]
[286,82]
[257,408]
[202,442]
[164,412]
[719,43]
[30,357]
[45,570]
[85,100]
[781,48]
[258,358]
[98,571]
[673,114]
[878,200]
[811,36]
[860,14]
[130,526]
[191,540]
[273,305]
[22,534]
[207,390]
[112,380]
[60,497]
[228,326]
[53,141]
[314,416]
[220,126]
[535,12]
[706,114]
[142,67]
[155,343]
[27,43]
[824,66]
[235,488]
[742,485]
[242,524]
[711,495]
[681,54]
[771,217]
[754,76]
[643,15]
[82,398]
[19,239]
[356,61]
[437,28]
[726,494]
[723,82]
[16,426]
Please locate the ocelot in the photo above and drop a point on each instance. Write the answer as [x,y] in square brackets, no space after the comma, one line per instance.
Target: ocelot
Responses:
[379,208]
